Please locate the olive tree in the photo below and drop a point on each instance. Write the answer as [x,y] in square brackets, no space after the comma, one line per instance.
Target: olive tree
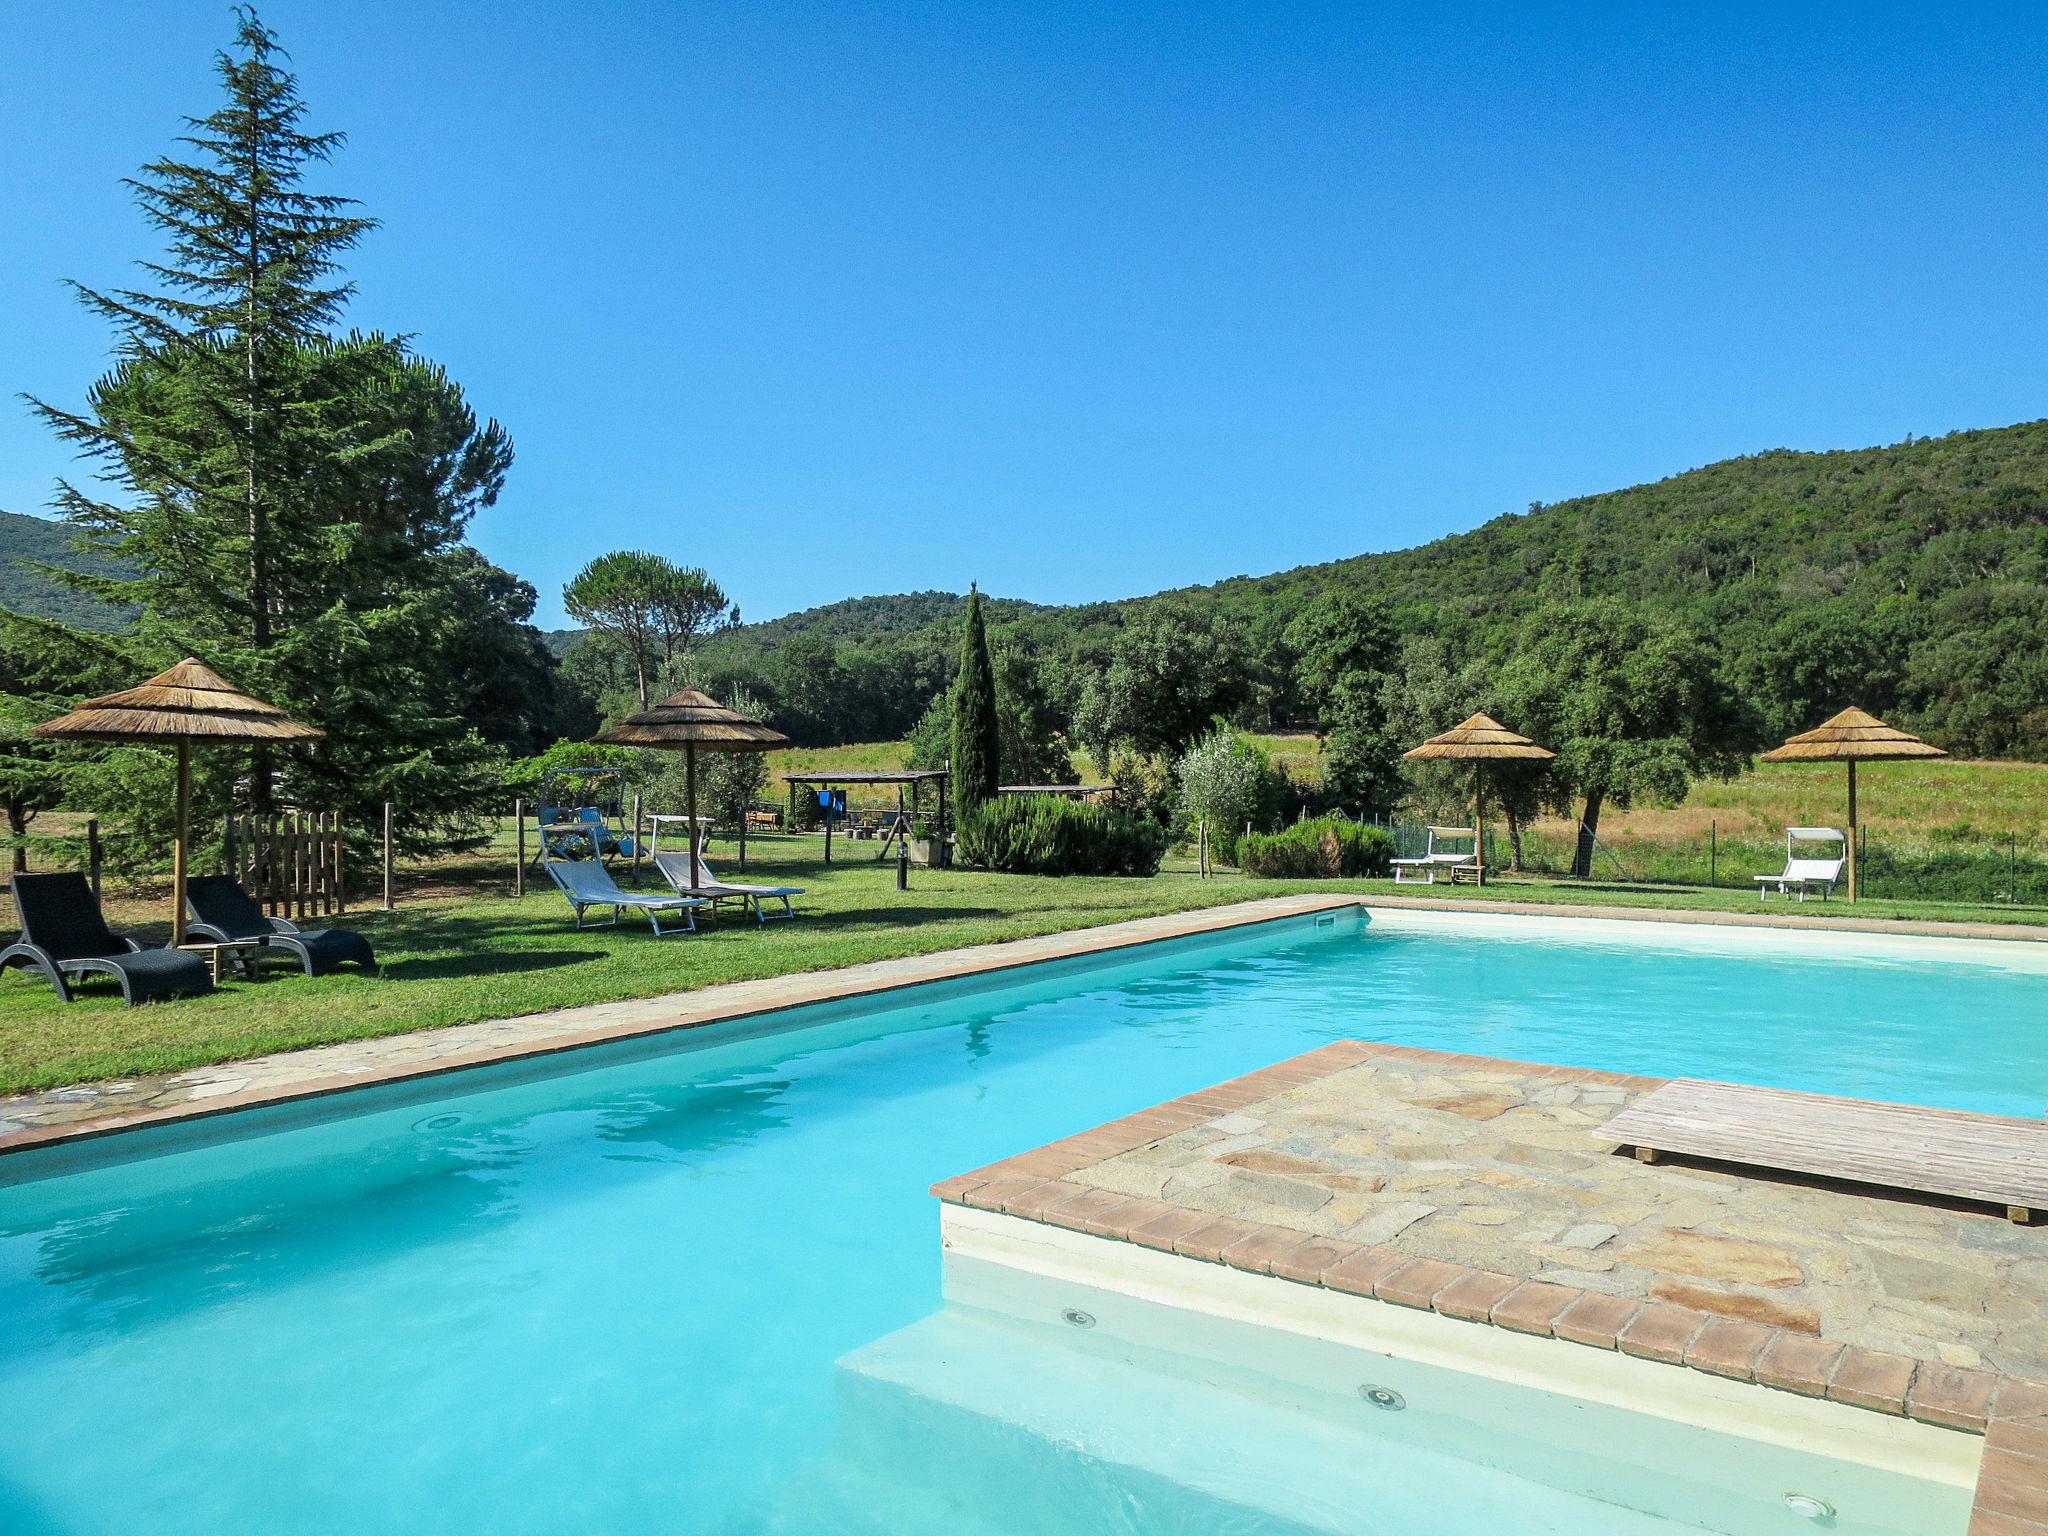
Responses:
[1632,705]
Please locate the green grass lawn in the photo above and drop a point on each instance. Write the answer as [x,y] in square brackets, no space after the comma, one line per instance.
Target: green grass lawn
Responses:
[460,948]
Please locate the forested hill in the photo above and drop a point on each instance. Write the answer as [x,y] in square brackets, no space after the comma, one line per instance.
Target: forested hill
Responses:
[867,618]
[29,542]
[1776,532]
[1772,531]
[1914,576]
[857,619]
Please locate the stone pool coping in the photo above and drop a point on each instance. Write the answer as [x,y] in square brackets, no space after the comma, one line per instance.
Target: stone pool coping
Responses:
[1037,1185]
[1785,916]
[83,1111]
[89,1111]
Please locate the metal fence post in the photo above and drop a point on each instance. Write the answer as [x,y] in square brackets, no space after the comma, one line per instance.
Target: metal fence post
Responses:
[519,835]
[92,855]
[1713,853]
[388,903]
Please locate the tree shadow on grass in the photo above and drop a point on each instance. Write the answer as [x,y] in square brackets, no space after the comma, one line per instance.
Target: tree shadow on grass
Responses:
[1623,888]
[866,917]
[447,944]
[490,962]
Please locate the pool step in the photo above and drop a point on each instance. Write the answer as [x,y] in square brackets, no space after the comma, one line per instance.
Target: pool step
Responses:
[1066,1438]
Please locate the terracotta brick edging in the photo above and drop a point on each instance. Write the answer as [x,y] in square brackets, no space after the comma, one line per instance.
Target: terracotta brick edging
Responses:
[2012,1413]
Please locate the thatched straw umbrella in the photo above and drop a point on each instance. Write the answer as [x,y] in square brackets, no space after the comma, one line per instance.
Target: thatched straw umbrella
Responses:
[189,706]
[1852,737]
[1479,741]
[694,722]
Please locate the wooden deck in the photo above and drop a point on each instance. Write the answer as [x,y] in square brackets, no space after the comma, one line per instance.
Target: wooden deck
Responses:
[1991,1158]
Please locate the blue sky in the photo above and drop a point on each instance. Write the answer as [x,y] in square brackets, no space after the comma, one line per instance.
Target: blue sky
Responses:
[1081,301]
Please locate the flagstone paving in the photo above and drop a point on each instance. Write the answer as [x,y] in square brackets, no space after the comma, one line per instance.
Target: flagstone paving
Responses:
[1503,1169]
[1485,1191]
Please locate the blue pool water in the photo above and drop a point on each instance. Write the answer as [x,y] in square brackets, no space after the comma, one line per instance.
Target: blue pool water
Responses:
[613,1299]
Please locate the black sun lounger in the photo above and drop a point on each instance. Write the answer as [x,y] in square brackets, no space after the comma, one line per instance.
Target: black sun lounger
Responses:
[225,913]
[64,936]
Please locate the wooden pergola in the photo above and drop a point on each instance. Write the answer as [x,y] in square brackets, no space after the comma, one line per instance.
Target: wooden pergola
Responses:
[912,779]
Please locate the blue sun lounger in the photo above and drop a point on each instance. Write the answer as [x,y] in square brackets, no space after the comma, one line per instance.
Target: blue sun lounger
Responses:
[587,884]
[675,869]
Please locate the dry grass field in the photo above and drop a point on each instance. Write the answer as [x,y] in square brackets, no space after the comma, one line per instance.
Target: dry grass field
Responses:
[1954,800]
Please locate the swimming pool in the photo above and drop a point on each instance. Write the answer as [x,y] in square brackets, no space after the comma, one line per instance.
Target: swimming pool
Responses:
[611,1292]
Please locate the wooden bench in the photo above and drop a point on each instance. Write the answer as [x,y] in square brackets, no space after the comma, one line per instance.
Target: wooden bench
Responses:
[1992,1158]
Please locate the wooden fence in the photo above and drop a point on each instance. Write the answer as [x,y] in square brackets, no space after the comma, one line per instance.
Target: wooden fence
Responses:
[290,862]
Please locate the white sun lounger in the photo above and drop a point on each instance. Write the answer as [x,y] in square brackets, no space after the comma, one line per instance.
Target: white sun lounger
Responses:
[587,883]
[1802,875]
[675,869]
[1423,871]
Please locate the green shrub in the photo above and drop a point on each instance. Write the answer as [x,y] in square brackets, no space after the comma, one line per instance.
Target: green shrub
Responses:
[802,808]
[1225,780]
[1045,835]
[1328,848]
[529,776]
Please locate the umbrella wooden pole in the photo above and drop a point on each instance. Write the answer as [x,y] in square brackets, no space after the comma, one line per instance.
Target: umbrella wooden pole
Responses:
[173,708]
[690,795]
[1852,829]
[178,848]
[1850,737]
[1479,821]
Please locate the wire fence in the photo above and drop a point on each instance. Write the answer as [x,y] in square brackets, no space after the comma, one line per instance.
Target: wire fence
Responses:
[1977,869]
[126,859]
[1972,869]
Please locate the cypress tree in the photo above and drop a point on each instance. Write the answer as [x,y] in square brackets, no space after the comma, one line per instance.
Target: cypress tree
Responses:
[977,740]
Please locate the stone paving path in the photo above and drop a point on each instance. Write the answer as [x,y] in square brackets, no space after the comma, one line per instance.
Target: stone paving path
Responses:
[36,1118]
[1505,1170]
